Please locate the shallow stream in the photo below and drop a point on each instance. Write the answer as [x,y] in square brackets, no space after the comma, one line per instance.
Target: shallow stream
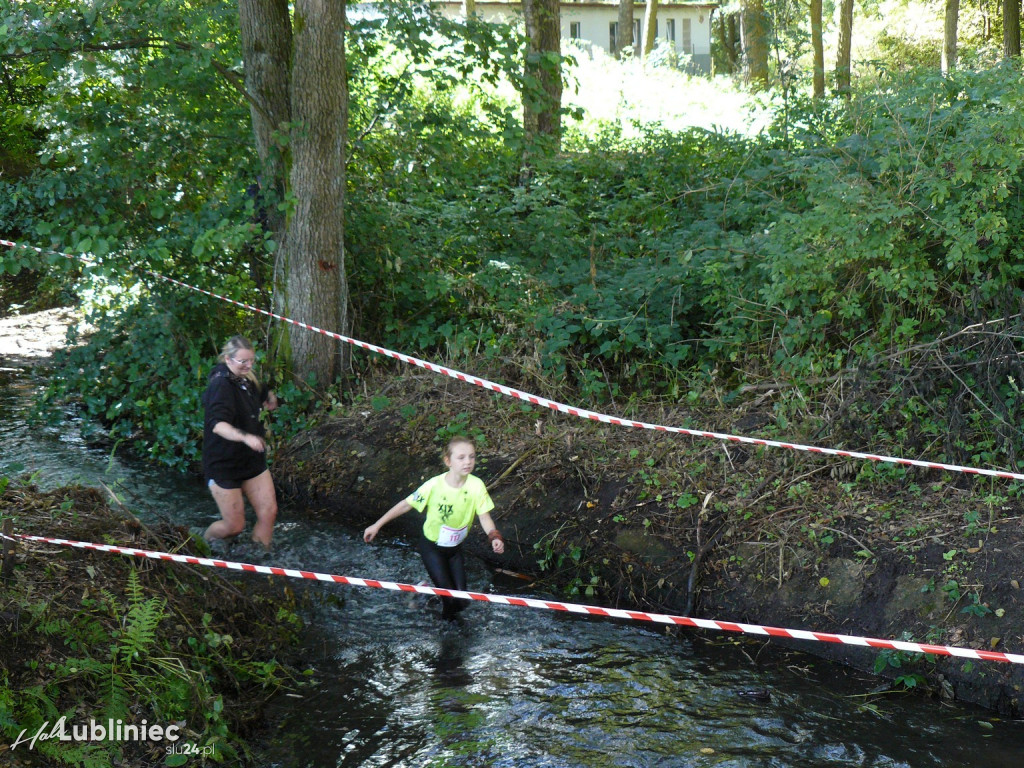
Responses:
[518,687]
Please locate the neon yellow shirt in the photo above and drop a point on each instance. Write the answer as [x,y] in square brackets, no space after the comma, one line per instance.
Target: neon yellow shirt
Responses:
[451,508]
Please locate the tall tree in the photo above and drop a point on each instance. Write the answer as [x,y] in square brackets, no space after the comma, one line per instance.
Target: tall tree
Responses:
[650,26]
[845,47]
[949,34]
[542,106]
[723,61]
[295,76]
[755,29]
[819,50]
[1011,29]
[735,41]
[468,8]
[624,27]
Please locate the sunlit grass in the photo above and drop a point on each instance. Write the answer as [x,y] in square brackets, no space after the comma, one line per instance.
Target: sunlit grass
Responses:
[633,94]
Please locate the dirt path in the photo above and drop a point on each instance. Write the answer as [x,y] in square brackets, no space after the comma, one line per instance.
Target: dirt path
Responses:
[27,338]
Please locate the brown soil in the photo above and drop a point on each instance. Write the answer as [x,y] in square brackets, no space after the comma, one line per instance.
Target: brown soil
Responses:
[632,518]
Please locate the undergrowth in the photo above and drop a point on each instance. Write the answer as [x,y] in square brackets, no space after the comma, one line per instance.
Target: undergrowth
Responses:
[95,637]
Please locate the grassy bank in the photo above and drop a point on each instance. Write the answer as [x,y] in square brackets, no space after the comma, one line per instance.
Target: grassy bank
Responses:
[98,638]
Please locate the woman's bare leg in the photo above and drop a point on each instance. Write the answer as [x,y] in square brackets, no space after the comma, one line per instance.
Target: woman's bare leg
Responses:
[260,492]
[231,505]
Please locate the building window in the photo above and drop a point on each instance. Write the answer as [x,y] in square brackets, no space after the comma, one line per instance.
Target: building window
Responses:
[575,30]
[687,39]
[670,31]
[637,36]
[613,30]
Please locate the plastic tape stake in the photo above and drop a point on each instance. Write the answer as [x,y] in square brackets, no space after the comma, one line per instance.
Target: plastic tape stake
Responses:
[551,605]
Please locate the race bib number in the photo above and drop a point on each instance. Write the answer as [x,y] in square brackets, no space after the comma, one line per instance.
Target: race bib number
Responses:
[451,537]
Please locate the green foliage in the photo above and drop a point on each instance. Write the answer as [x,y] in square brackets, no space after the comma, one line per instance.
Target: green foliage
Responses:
[461,426]
[977,607]
[140,623]
[857,235]
[565,560]
[23,87]
[409,66]
[138,377]
[889,660]
[849,232]
[133,130]
[592,257]
[902,51]
[144,160]
[115,668]
[894,222]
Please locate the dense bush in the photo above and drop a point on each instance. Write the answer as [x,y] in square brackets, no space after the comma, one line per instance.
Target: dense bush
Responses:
[853,241]
[850,241]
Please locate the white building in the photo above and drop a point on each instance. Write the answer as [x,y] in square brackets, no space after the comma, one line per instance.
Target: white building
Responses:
[684,28]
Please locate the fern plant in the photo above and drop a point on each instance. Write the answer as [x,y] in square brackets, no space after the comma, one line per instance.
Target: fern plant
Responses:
[141,621]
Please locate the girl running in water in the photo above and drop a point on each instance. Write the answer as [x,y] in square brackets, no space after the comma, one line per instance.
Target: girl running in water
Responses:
[449,503]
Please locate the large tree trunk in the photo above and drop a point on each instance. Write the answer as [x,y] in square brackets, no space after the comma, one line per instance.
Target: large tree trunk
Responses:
[468,8]
[266,35]
[844,60]
[723,48]
[542,111]
[295,76]
[1011,28]
[949,34]
[819,50]
[650,26]
[315,288]
[624,30]
[754,28]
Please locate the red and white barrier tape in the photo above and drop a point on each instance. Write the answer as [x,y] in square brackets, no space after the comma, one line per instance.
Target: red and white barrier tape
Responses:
[561,407]
[551,605]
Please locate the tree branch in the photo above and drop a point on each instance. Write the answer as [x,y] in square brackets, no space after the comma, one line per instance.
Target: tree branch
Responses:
[123,45]
[235,80]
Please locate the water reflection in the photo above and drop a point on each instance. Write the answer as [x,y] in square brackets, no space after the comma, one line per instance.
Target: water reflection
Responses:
[524,688]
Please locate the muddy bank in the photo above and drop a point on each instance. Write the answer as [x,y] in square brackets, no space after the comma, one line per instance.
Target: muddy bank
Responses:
[638,519]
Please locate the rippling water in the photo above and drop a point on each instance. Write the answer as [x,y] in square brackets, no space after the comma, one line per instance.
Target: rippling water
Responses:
[525,688]
[519,687]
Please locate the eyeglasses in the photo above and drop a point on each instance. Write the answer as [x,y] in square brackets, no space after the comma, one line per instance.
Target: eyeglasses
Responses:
[243,363]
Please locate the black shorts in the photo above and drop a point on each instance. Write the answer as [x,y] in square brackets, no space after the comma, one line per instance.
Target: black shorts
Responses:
[231,483]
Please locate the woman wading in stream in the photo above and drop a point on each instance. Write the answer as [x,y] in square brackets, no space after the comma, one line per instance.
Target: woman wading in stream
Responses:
[234,445]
